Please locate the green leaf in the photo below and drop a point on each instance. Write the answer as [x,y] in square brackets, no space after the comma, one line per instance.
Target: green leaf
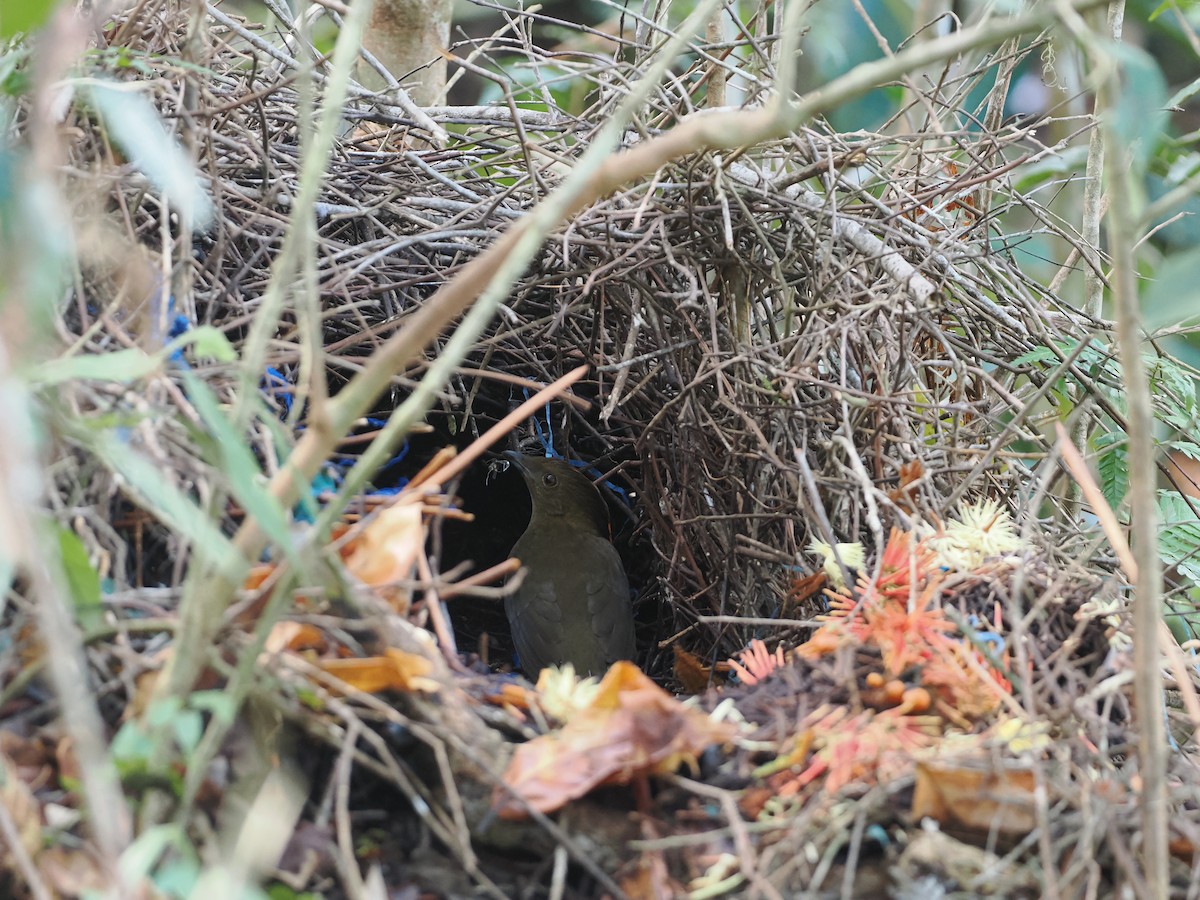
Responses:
[188,726]
[129,365]
[177,877]
[179,512]
[131,744]
[141,857]
[1160,9]
[283,892]
[23,16]
[1171,295]
[311,699]
[208,343]
[118,365]
[82,580]
[1138,116]
[246,480]
[1184,94]
[1112,462]
[162,711]
[1179,538]
[1101,362]
[1182,618]
[1187,448]
[1036,355]
[137,129]
[1051,167]
[14,75]
[1178,379]
[217,703]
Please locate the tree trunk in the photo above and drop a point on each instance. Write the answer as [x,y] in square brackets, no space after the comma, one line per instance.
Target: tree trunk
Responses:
[409,38]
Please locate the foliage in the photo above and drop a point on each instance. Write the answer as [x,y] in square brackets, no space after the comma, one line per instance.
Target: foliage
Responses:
[19,17]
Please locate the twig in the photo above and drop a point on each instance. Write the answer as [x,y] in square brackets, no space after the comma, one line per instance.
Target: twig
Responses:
[1147,601]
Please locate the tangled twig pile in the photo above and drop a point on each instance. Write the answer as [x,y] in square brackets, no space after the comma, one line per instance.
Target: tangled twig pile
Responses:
[817,339]
[772,338]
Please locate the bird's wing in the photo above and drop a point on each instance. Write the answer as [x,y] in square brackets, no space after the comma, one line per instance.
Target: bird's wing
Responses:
[609,610]
[537,624]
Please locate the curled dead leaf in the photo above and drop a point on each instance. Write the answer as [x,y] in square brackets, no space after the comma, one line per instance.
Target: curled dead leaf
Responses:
[394,671]
[692,674]
[631,728]
[384,553]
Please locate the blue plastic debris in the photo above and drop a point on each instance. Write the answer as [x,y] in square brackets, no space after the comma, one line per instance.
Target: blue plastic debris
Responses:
[277,388]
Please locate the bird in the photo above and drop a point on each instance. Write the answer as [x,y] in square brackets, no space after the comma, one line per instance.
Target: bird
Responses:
[573,604]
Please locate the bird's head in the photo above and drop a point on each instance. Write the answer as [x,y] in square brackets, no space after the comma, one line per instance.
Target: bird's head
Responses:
[562,496]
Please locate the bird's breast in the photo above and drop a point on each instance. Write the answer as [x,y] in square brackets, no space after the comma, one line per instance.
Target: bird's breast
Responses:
[573,603]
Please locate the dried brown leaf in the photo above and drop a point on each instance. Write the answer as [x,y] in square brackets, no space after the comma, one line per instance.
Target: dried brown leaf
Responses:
[22,808]
[394,671]
[693,676]
[976,794]
[632,728]
[385,552]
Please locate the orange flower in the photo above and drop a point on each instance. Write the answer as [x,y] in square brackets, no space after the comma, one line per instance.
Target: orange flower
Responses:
[755,663]
[899,612]
[866,748]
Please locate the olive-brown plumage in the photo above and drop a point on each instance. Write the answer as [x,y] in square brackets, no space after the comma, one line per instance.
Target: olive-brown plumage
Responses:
[573,604]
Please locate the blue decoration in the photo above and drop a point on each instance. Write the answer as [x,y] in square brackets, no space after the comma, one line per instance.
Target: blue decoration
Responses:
[276,387]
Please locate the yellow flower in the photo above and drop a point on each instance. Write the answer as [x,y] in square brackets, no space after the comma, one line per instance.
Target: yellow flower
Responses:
[1023,737]
[563,693]
[983,530]
[852,556]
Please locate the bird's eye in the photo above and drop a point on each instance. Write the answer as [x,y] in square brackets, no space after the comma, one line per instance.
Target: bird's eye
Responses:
[550,479]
